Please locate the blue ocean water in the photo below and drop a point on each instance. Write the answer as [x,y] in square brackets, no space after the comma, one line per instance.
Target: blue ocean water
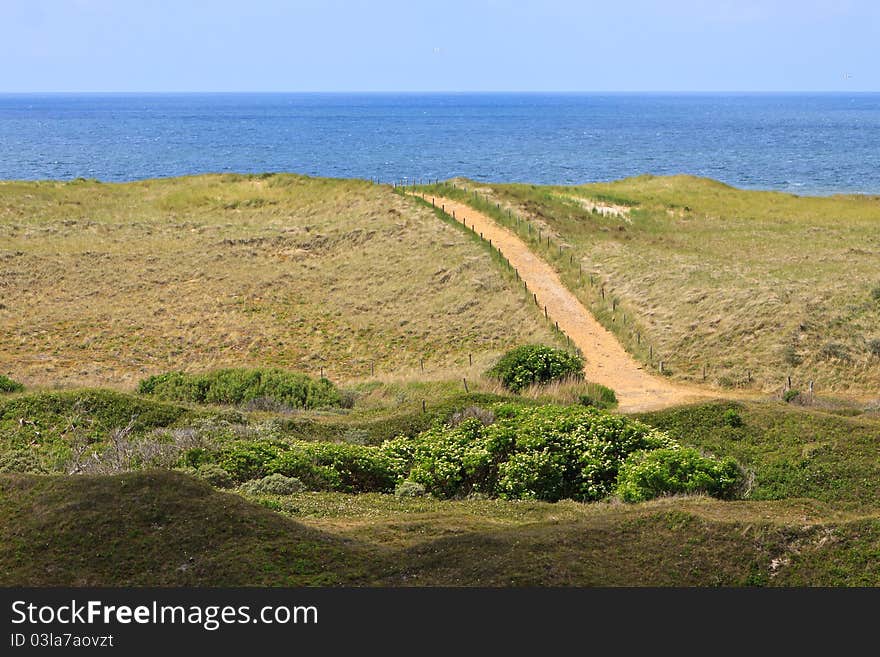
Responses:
[801,143]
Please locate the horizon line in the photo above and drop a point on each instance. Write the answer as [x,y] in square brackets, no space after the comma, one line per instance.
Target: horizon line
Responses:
[454,91]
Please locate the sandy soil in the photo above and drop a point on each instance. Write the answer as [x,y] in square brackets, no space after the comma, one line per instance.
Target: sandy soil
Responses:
[606,360]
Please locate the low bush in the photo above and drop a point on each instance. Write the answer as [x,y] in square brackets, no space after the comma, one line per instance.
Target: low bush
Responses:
[791,395]
[343,467]
[449,461]
[528,364]
[214,475]
[260,388]
[243,460]
[274,484]
[673,470]
[8,385]
[732,418]
[542,452]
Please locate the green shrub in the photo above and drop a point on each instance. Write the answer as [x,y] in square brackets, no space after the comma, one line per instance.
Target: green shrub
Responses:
[273,484]
[790,395]
[258,387]
[598,396]
[671,470]
[243,460]
[874,346]
[8,385]
[732,418]
[214,475]
[449,461]
[407,488]
[343,467]
[540,452]
[875,293]
[528,364]
[567,452]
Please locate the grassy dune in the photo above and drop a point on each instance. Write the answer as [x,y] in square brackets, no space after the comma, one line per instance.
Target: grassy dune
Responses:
[751,285]
[160,528]
[105,283]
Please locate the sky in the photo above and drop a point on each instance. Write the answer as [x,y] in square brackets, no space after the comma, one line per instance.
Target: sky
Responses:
[443,45]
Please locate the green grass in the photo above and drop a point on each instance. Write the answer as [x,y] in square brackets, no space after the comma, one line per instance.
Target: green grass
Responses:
[752,286]
[791,451]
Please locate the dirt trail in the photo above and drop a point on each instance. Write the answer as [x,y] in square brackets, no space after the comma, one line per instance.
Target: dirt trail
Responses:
[606,360]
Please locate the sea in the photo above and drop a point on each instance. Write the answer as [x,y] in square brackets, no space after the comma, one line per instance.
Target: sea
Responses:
[799,143]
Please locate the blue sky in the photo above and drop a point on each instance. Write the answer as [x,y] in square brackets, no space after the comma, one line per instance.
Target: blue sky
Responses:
[443,45]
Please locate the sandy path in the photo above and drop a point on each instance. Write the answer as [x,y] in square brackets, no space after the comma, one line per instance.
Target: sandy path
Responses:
[606,360]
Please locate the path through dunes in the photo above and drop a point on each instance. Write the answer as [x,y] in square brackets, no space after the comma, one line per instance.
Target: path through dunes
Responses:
[607,362]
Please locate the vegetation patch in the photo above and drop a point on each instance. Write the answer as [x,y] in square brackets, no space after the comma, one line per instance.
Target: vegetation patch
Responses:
[273,484]
[536,363]
[544,453]
[674,470]
[8,385]
[240,386]
[788,450]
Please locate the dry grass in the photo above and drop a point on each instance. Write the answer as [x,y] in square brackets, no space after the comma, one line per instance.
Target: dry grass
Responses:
[103,284]
[748,284]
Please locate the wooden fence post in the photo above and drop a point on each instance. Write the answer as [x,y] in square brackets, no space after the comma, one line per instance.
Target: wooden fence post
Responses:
[464,381]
